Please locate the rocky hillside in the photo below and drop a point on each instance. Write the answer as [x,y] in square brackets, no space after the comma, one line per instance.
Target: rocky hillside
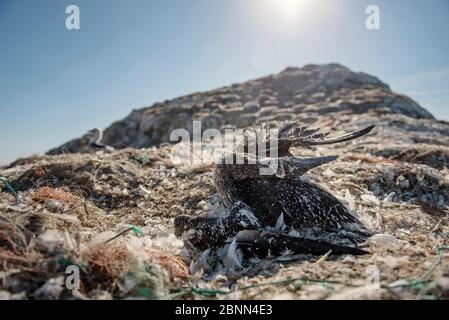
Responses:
[296,94]
[110,212]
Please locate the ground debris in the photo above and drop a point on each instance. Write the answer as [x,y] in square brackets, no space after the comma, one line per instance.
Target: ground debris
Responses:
[111,215]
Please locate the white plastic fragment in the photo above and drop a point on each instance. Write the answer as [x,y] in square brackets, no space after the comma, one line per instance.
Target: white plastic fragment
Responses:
[50,239]
[349,199]
[50,289]
[232,259]
[280,225]
[370,199]
[390,197]
[383,239]
[200,263]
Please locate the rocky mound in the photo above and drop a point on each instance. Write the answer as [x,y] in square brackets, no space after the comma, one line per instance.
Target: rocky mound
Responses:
[296,94]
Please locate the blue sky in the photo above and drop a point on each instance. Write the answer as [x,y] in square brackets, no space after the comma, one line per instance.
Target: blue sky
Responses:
[56,84]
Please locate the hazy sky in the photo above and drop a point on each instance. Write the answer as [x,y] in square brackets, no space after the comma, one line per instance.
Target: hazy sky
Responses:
[55,84]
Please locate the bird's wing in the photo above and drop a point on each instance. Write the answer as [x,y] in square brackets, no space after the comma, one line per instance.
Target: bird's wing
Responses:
[293,135]
[342,138]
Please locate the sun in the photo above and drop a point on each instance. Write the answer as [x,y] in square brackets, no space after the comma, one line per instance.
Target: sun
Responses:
[279,14]
[289,10]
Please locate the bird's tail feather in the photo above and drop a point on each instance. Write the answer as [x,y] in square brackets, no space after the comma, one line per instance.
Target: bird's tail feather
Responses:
[261,244]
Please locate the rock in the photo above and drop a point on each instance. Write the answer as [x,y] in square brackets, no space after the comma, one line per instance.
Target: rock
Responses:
[385,240]
[321,89]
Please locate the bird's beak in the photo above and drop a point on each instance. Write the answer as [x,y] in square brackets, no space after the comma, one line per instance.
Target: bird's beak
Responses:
[310,163]
[295,166]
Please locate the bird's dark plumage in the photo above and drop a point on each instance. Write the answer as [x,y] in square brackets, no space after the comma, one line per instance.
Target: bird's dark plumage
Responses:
[260,202]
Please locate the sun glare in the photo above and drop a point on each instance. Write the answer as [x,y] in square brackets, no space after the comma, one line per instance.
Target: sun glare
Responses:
[287,17]
[275,19]
[282,13]
[287,10]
